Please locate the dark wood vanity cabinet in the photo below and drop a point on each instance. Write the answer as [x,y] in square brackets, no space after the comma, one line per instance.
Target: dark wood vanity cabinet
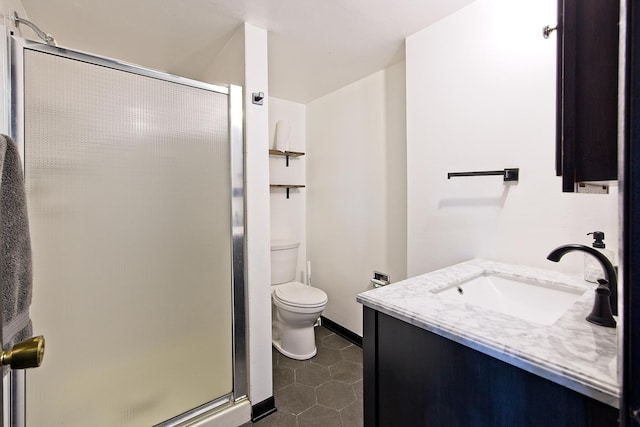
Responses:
[587,91]
[413,377]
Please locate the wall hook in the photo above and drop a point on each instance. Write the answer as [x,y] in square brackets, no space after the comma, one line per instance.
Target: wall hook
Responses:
[547,30]
[257,98]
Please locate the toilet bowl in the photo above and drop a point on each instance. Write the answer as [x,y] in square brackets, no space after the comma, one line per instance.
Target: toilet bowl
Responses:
[296,306]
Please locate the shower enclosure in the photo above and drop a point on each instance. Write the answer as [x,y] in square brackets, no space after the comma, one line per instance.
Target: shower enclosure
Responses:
[135,193]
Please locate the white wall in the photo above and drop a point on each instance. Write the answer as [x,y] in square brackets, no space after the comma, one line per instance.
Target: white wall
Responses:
[356,213]
[288,216]
[228,67]
[243,61]
[481,96]
[257,215]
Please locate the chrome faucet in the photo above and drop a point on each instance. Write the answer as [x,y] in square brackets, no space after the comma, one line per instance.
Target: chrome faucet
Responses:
[606,301]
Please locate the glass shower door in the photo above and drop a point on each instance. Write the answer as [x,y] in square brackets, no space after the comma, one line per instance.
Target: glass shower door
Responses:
[128,186]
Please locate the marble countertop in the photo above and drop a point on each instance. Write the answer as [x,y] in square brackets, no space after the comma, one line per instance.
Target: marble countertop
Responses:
[571,352]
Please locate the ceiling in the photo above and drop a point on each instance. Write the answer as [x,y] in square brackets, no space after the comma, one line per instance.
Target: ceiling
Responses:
[315,46]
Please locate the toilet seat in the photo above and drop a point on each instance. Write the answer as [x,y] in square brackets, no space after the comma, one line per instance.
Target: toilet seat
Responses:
[296,294]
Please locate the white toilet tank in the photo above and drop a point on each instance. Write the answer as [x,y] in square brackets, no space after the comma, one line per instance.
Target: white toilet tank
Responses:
[284,259]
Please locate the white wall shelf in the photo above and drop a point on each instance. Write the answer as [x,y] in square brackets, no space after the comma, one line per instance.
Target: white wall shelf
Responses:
[287,154]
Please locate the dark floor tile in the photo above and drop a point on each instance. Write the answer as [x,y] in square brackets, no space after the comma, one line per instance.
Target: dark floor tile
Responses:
[353,353]
[346,371]
[277,419]
[295,399]
[352,415]
[312,375]
[326,356]
[319,416]
[324,391]
[335,395]
[291,363]
[358,390]
[335,341]
[320,332]
[274,356]
[282,377]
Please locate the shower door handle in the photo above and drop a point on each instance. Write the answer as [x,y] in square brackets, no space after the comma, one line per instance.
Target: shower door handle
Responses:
[25,354]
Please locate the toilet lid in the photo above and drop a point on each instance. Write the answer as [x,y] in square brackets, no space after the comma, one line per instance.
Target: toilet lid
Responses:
[295,293]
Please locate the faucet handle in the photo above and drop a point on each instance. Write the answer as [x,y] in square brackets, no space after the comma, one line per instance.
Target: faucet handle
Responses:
[601,313]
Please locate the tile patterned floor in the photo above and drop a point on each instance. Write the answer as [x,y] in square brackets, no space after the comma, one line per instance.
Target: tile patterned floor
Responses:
[324,391]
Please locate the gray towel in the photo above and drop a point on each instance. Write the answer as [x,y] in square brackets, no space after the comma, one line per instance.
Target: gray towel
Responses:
[15,247]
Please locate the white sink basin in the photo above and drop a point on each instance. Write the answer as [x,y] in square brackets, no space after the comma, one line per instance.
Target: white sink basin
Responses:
[536,302]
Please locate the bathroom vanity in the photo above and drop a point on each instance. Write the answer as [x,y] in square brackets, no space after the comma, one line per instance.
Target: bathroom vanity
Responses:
[435,355]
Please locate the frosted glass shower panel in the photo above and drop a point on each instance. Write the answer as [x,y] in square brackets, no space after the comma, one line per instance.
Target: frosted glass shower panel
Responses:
[128,186]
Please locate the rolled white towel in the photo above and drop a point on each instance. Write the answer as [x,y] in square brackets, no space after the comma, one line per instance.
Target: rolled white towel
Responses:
[283,132]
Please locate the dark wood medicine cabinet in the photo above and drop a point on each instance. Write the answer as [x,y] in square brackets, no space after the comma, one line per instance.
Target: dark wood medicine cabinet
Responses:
[587,92]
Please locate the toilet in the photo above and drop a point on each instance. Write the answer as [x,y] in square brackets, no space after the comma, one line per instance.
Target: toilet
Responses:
[296,306]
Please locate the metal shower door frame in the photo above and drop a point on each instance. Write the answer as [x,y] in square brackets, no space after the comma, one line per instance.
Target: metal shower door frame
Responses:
[16,47]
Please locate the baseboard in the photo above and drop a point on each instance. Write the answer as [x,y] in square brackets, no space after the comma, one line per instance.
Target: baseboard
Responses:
[262,409]
[342,331]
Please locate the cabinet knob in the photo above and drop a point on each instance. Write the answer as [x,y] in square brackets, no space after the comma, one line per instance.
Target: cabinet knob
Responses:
[547,30]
